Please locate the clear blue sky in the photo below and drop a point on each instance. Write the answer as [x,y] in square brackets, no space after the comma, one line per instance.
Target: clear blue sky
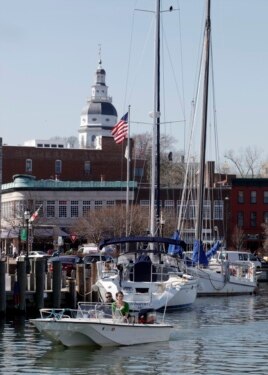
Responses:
[49,54]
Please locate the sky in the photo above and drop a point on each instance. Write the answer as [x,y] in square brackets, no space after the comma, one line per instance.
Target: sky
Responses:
[50,51]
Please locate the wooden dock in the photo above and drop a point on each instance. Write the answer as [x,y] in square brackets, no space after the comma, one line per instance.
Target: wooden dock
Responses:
[27,293]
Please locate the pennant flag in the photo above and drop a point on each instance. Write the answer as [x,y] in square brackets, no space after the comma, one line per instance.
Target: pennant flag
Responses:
[120,129]
[127,154]
[35,214]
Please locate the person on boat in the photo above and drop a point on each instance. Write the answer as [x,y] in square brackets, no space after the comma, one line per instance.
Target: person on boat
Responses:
[120,305]
[109,298]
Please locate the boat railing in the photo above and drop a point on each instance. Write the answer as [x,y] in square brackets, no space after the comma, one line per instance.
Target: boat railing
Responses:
[57,314]
[242,269]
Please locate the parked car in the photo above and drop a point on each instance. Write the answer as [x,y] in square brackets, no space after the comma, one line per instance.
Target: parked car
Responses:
[68,263]
[89,259]
[34,254]
[88,248]
[234,256]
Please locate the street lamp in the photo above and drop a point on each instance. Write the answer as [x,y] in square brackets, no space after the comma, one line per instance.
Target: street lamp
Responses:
[27,216]
[226,220]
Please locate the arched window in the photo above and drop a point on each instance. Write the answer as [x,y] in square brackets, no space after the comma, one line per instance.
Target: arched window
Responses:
[58,166]
[29,165]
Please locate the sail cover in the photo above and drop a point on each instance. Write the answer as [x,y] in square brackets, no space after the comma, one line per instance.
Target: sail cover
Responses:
[199,255]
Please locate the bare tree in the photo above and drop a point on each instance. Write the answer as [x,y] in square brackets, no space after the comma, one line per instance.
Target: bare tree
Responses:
[265,242]
[238,237]
[111,222]
[247,163]
[172,167]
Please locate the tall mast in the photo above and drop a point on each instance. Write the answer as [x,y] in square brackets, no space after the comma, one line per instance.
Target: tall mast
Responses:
[155,178]
[128,174]
[201,187]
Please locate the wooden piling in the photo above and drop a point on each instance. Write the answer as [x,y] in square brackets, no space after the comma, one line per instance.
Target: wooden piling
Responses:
[56,284]
[93,279]
[39,282]
[2,287]
[21,285]
[72,293]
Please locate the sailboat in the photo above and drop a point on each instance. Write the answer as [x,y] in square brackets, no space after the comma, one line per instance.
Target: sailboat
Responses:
[148,276]
[225,278]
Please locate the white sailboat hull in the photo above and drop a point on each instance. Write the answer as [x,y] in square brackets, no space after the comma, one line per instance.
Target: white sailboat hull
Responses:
[212,283]
[176,292]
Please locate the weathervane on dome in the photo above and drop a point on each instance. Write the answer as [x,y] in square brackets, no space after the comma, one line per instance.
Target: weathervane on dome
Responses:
[99,55]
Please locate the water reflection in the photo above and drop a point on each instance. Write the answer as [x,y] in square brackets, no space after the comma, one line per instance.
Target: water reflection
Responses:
[121,360]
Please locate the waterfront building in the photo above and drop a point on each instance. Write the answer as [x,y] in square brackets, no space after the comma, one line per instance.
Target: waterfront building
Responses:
[61,203]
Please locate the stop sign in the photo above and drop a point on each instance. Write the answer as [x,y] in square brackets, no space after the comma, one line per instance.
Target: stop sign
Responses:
[73,237]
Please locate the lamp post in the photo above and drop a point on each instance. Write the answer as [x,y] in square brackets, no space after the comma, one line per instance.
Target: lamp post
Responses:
[226,220]
[27,216]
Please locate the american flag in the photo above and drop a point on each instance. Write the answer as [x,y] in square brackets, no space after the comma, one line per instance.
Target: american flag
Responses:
[35,214]
[120,130]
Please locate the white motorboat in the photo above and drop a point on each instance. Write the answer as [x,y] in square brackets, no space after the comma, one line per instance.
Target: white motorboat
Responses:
[94,324]
[147,275]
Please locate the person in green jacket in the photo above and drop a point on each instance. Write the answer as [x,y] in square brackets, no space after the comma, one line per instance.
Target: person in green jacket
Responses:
[120,305]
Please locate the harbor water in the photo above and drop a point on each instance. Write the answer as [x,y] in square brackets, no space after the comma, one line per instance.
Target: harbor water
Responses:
[221,335]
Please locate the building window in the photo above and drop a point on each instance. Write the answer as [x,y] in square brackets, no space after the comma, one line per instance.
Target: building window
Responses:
[240,197]
[169,204]
[218,210]
[144,203]
[191,210]
[62,208]
[253,197]
[265,217]
[19,208]
[110,203]
[74,208]
[265,197]
[240,219]
[98,204]
[58,166]
[138,172]
[253,219]
[86,207]
[87,166]
[29,165]
[50,208]
[207,210]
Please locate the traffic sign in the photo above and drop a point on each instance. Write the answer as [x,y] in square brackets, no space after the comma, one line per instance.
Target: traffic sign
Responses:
[73,237]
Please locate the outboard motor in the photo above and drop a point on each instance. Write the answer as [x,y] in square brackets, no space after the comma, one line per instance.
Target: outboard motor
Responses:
[147,316]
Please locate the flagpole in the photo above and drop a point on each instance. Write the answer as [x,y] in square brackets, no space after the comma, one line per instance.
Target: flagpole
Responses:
[128,174]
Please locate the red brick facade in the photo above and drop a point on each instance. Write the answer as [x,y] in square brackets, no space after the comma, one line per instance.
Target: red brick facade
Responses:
[108,164]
